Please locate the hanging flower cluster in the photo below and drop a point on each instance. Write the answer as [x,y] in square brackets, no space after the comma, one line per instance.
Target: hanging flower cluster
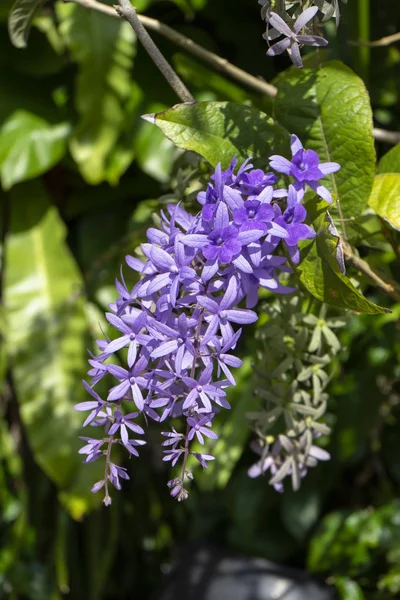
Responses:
[179,325]
[295,358]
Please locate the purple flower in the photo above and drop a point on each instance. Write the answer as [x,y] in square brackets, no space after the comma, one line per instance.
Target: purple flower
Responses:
[91,449]
[131,336]
[115,473]
[255,181]
[202,389]
[203,458]
[293,221]
[292,40]
[123,423]
[94,406]
[200,426]
[221,315]
[305,168]
[178,323]
[253,215]
[130,382]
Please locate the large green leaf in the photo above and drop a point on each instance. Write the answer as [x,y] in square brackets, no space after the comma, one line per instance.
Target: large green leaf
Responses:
[20,20]
[390,162]
[29,146]
[385,197]
[220,130]
[106,96]
[329,109]
[320,273]
[46,341]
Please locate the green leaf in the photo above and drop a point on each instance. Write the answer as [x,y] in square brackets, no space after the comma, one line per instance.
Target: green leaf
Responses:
[29,146]
[20,20]
[46,341]
[329,110]
[320,274]
[385,198]
[348,589]
[390,162]
[220,130]
[104,49]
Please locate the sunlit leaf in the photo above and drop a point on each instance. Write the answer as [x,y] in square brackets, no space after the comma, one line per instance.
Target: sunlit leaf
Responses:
[385,198]
[218,131]
[329,109]
[29,146]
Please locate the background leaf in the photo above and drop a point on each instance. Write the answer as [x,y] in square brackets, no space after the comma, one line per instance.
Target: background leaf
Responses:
[20,20]
[329,109]
[220,130]
[29,146]
[385,198]
[46,341]
[106,97]
[390,162]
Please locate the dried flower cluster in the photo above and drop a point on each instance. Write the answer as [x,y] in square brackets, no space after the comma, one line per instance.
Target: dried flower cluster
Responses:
[291,19]
[177,327]
[296,353]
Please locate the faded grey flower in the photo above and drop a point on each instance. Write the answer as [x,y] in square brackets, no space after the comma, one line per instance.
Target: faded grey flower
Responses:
[293,39]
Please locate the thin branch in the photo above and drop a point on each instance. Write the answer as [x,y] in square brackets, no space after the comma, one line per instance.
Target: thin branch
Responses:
[391,288]
[385,41]
[128,12]
[389,137]
[219,63]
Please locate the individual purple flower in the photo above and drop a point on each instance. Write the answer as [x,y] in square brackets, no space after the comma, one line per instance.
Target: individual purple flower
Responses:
[202,389]
[131,335]
[115,473]
[255,181]
[305,168]
[123,423]
[92,448]
[292,40]
[220,314]
[293,221]
[131,382]
[95,406]
[253,215]
[200,426]
[203,458]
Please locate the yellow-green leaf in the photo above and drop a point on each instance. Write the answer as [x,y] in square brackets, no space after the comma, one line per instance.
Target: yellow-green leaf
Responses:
[385,198]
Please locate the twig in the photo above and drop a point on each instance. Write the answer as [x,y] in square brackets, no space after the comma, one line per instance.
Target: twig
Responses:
[390,288]
[385,41]
[186,43]
[128,12]
[389,137]
[219,63]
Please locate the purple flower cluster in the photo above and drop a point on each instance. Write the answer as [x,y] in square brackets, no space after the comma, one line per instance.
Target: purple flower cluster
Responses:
[177,327]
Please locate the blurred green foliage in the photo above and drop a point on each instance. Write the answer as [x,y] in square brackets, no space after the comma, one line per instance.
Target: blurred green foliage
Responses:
[70,131]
